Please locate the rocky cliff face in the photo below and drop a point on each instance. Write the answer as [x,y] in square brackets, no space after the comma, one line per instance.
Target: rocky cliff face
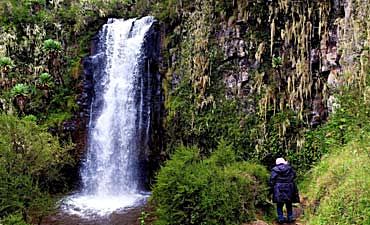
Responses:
[316,43]
[282,62]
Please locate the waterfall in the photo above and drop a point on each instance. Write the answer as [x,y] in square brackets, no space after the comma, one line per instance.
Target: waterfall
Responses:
[119,120]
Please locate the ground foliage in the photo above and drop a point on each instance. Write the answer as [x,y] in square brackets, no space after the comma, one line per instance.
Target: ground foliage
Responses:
[338,188]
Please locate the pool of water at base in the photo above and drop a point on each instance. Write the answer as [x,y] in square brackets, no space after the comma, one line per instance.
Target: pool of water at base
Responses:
[126,216]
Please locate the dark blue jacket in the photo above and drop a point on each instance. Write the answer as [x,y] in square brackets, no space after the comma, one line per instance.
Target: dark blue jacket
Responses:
[283,185]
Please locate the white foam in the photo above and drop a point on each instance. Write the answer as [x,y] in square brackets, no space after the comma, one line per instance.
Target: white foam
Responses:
[93,205]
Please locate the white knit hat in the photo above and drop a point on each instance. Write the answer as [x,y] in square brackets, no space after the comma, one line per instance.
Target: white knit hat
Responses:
[281,161]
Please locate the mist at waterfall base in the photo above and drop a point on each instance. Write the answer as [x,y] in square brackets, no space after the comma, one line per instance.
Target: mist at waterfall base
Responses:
[119,122]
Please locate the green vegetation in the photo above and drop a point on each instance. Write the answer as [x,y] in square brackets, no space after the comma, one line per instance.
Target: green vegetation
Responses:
[45,80]
[225,78]
[276,62]
[32,162]
[39,37]
[215,190]
[20,89]
[5,62]
[15,219]
[51,45]
[338,188]
[143,216]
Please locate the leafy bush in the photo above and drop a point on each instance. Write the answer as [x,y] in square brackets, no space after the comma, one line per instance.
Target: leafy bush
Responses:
[56,119]
[30,164]
[13,219]
[45,78]
[32,118]
[20,89]
[51,45]
[217,190]
[5,61]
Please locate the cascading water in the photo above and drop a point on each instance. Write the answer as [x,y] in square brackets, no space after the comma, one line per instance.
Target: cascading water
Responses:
[119,120]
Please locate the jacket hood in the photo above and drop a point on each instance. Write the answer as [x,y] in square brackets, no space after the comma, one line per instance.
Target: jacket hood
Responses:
[282,169]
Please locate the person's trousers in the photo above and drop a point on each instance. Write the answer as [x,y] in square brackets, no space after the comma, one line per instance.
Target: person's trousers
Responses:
[289,209]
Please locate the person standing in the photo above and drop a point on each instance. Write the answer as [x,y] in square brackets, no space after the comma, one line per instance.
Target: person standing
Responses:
[284,189]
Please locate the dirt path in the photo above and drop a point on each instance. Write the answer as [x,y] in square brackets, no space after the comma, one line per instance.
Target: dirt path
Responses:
[298,213]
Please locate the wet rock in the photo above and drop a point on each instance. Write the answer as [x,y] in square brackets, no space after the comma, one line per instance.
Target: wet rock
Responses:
[87,85]
[175,80]
[243,63]
[315,57]
[244,76]
[236,58]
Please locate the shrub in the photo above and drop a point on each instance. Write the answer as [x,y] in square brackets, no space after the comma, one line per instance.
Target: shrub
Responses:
[45,78]
[349,121]
[5,62]
[30,164]
[56,119]
[32,118]
[217,190]
[51,45]
[20,89]
[13,219]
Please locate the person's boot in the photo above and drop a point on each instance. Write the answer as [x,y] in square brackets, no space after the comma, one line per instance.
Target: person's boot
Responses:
[291,219]
[281,220]
[279,209]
